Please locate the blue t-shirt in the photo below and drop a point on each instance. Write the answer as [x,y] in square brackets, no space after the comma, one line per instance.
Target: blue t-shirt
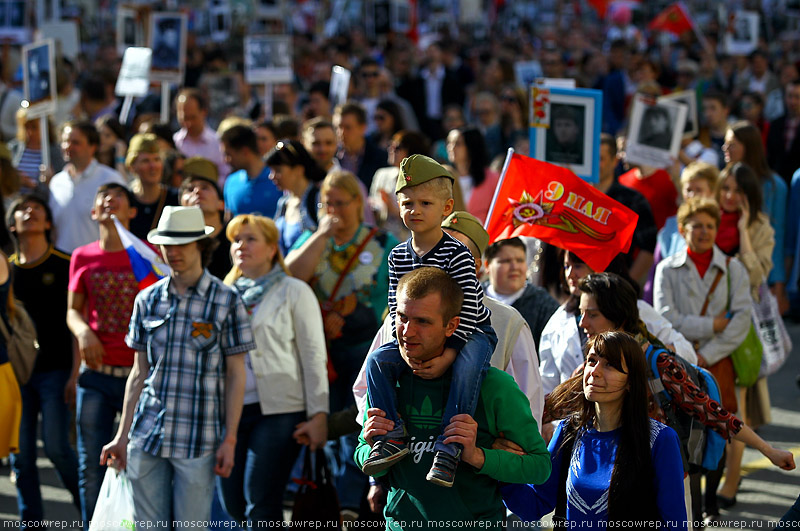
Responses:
[244,195]
[591,465]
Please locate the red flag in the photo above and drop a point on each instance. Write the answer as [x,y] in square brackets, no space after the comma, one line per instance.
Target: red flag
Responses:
[601,6]
[535,198]
[674,19]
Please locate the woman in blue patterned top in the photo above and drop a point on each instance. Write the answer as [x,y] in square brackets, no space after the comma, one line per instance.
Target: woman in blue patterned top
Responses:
[611,462]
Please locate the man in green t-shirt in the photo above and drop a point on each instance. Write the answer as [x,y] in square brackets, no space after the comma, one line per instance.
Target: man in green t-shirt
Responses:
[428,304]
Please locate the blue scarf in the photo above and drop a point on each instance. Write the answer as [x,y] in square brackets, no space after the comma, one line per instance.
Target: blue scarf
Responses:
[253,290]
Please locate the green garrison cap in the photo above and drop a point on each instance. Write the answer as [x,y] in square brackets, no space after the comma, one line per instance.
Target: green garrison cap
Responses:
[418,169]
[469,225]
[141,143]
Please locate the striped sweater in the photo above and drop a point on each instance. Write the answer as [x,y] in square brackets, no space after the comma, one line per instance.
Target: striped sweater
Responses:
[456,260]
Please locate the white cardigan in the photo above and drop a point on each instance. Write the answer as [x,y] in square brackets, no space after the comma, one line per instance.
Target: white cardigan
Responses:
[290,361]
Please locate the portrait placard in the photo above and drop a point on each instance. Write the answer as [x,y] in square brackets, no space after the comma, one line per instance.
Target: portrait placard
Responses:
[742,35]
[13,21]
[168,43]
[655,131]
[129,29]
[65,34]
[268,59]
[39,77]
[688,98]
[568,129]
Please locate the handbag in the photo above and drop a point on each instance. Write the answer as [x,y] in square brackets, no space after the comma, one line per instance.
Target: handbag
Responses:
[19,334]
[772,331]
[114,509]
[316,500]
[723,369]
[747,356]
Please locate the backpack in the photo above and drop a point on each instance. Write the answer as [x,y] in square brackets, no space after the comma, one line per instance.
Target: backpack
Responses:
[701,446]
[19,333]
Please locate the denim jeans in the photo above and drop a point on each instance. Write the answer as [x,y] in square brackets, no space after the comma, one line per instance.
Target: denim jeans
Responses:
[44,393]
[168,489]
[351,483]
[100,398]
[265,453]
[385,366]
[792,516]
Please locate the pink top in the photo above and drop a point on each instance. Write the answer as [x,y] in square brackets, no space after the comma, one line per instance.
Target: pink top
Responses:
[481,198]
[207,146]
[107,281]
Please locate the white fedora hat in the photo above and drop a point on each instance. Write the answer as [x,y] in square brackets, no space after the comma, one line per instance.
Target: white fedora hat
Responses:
[179,225]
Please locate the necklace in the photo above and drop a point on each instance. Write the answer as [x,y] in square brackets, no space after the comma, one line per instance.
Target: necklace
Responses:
[340,255]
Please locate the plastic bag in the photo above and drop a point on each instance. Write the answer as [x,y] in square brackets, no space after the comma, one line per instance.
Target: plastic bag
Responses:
[772,331]
[114,509]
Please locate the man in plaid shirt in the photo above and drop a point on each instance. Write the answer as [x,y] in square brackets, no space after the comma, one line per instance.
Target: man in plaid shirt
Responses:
[183,398]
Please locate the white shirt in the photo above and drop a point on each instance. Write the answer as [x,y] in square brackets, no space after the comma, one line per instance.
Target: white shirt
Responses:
[72,199]
[560,350]
[505,299]
[433,91]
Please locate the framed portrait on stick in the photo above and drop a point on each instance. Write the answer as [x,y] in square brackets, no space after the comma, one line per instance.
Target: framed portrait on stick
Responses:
[688,98]
[741,37]
[168,42]
[655,131]
[268,59]
[565,128]
[39,77]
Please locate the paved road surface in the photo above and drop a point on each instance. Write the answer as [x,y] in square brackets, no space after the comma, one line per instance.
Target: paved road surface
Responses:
[765,494]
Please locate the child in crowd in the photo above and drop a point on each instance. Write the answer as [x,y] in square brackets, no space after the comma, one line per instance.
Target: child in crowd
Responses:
[425,197]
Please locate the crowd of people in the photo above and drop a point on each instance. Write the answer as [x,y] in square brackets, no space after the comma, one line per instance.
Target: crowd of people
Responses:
[331,284]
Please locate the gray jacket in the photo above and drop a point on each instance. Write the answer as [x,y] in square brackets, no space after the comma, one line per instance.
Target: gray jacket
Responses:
[680,293]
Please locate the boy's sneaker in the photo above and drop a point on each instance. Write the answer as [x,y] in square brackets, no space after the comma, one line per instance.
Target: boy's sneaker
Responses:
[443,470]
[384,454]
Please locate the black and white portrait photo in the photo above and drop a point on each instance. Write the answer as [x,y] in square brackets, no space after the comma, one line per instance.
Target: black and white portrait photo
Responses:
[742,35]
[38,74]
[268,59]
[564,139]
[39,77]
[564,122]
[129,32]
[656,129]
[168,42]
[688,98]
[655,132]
[14,21]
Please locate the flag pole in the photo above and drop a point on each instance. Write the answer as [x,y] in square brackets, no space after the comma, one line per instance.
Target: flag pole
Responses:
[499,185]
[700,38]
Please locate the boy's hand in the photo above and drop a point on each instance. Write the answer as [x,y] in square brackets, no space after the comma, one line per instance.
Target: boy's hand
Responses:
[434,367]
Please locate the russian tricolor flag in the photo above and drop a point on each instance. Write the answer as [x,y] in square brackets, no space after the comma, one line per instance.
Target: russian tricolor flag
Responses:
[147,265]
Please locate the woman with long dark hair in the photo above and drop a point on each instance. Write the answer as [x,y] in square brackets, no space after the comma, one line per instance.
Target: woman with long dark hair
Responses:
[294,171]
[743,144]
[744,233]
[466,150]
[608,302]
[610,461]
[388,120]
